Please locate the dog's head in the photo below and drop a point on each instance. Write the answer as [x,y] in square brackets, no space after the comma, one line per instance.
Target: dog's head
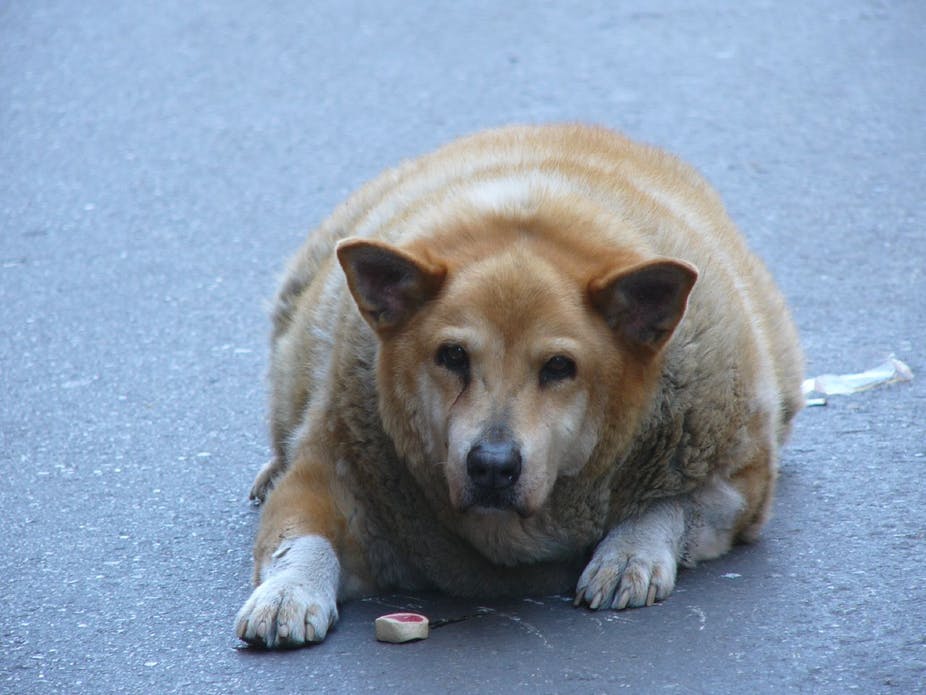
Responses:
[507,357]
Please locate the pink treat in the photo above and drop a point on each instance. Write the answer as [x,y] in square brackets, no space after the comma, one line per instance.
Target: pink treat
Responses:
[401,627]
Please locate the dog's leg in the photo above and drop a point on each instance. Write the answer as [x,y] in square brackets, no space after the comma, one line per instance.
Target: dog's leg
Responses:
[296,566]
[636,563]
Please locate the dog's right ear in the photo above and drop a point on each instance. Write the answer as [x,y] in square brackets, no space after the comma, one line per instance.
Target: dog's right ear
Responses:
[388,284]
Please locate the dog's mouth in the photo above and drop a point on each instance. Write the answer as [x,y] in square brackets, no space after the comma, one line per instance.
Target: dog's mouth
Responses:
[482,500]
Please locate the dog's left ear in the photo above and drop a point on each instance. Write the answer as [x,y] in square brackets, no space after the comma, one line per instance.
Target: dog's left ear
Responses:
[645,302]
[388,284]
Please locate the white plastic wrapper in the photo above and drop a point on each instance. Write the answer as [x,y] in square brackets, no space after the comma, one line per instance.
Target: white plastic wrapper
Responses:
[889,372]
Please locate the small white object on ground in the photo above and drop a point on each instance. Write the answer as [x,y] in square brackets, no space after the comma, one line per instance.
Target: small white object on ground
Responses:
[401,627]
[889,372]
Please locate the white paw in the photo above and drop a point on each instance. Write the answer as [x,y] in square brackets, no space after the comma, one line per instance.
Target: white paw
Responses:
[286,611]
[635,564]
[625,580]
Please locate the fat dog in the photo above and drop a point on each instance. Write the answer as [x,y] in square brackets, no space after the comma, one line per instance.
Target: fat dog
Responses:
[537,360]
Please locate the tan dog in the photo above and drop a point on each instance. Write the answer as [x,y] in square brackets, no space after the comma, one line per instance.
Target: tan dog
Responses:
[549,349]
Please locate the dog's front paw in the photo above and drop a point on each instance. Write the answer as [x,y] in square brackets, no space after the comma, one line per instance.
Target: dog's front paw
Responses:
[286,612]
[622,580]
[622,577]
[633,566]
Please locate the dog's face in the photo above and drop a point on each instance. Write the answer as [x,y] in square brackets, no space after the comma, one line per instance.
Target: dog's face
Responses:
[506,375]
[500,364]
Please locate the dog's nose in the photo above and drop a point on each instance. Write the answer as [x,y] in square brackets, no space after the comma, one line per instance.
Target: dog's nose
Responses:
[494,465]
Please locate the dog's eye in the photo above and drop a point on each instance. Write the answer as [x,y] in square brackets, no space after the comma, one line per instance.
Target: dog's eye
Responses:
[557,368]
[454,358]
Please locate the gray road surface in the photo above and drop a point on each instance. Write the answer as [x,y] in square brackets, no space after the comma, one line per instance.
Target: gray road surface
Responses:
[159,162]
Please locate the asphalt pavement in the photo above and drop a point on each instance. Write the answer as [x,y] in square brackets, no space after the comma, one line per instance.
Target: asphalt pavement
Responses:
[160,161]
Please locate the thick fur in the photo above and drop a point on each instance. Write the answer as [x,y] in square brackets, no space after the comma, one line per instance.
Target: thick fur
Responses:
[539,359]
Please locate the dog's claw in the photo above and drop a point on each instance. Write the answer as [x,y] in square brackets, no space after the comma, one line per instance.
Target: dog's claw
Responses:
[651,596]
[621,600]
